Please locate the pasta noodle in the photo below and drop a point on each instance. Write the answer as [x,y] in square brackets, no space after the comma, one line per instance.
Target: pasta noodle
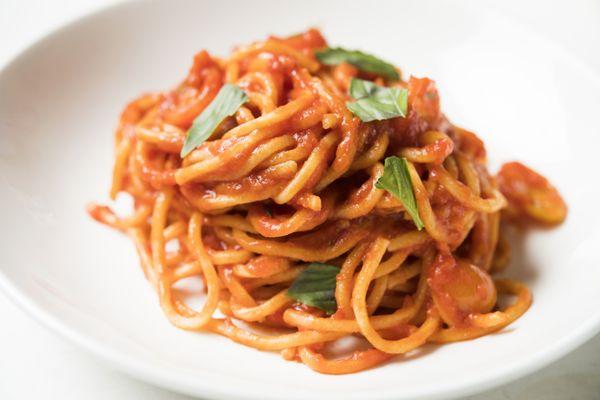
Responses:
[289,183]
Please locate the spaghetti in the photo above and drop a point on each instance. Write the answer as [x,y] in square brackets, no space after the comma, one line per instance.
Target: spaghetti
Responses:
[292,187]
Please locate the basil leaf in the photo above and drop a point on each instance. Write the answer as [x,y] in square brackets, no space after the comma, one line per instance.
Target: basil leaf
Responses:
[359,88]
[315,287]
[362,61]
[377,102]
[396,180]
[226,103]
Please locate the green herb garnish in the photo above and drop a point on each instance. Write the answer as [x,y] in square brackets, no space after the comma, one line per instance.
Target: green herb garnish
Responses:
[226,103]
[396,180]
[315,287]
[377,102]
[364,62]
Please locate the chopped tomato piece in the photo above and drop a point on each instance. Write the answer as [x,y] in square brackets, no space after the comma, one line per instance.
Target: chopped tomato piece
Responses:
[530,195]
[460,288]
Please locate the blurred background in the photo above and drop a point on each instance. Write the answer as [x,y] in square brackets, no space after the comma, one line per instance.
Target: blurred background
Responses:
[34,363]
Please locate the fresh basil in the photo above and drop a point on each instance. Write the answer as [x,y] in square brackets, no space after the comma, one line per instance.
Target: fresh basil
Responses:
[377,102]
[396,180]
[362,61]
[226,103]
[360,88]
[315,287]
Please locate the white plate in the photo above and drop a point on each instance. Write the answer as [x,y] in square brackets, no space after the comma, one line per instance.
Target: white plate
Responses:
[59,103]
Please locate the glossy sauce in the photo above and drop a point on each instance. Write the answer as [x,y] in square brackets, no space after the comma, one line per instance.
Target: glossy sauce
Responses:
[530,195]
[459,288]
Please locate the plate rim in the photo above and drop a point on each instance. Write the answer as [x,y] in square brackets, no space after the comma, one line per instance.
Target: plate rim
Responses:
[132,367]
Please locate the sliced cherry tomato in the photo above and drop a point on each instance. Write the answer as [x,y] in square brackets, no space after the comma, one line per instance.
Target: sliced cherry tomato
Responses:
[459,288]
[530,194]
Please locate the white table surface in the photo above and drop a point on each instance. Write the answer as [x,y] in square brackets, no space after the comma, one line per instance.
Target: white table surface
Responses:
[36,364]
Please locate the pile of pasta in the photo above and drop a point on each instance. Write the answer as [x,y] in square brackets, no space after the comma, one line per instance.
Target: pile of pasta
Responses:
[284,212]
